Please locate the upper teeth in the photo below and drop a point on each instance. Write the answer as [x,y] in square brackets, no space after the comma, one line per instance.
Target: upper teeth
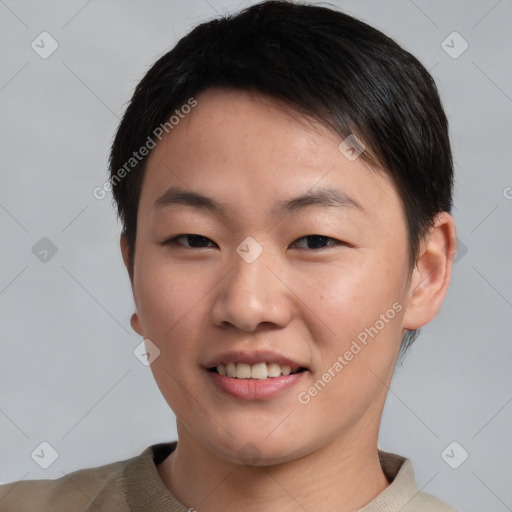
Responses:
[255,371]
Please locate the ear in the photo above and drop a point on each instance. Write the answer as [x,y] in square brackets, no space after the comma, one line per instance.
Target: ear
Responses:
[135,320]
[431,276]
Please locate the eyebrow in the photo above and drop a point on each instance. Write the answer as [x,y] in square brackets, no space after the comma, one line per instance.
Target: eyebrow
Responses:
[323,197]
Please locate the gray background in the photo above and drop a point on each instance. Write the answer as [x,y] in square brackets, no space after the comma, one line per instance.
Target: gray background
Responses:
[68,375]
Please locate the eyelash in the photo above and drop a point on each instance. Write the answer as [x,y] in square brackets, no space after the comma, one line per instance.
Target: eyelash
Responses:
[174,241]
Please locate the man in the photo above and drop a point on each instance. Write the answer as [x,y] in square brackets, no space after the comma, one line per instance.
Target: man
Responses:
[284,180]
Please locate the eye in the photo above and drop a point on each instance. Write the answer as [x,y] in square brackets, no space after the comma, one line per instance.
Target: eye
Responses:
[318,241]
[196,241]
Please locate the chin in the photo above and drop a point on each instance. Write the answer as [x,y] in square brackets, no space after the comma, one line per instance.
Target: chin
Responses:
[258,450]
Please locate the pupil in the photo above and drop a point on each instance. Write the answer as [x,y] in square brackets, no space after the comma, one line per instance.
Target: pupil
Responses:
[321,240]
[193,238]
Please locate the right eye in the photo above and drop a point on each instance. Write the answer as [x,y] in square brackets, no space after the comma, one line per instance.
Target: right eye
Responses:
[195,241]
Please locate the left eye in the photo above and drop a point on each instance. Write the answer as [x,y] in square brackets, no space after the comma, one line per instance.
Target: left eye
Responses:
[318,241]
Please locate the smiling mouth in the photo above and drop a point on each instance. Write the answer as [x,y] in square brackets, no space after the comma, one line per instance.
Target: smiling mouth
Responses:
[259,371]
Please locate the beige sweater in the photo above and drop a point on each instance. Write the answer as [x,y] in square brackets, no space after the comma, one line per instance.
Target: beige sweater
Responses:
[135,485]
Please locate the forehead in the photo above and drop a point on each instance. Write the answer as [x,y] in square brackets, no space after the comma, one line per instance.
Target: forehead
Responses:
[251,154]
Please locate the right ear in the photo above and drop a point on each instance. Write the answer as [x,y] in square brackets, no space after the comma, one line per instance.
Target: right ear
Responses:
[126,259]
[135,320]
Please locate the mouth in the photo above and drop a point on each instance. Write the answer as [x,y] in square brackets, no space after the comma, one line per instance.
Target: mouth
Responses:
[258,371]
[255,376]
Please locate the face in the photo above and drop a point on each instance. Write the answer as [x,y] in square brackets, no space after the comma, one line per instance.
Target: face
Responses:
[318,283]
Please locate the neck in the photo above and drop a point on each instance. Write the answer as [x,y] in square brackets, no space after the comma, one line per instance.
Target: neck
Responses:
[341,476]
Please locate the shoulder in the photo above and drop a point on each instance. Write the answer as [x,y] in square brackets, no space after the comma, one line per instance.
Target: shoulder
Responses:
[424,502]
[78,491]
[403,493]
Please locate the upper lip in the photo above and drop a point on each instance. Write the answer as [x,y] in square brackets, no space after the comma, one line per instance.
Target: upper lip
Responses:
[259,356]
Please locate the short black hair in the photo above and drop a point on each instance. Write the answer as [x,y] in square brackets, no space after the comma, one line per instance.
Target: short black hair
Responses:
[320,62]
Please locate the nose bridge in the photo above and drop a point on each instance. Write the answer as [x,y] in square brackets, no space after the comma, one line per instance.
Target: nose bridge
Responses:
[251,294]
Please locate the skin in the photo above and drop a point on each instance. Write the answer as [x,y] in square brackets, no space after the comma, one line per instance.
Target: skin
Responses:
[196,301]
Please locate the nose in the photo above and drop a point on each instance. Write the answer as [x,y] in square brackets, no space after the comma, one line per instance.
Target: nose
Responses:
[251,295]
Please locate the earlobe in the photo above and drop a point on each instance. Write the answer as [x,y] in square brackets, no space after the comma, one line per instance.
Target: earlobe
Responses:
[431,275]
[135,323]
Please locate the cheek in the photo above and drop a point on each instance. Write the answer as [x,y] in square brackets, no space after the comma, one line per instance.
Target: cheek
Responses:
[167,299]
[172,316]
[361,313]
[349,300]
[357,350]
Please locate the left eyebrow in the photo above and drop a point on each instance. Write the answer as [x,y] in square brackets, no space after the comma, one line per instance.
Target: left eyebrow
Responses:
[323,197]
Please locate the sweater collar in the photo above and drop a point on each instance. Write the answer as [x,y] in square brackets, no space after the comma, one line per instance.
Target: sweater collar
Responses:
[145,490]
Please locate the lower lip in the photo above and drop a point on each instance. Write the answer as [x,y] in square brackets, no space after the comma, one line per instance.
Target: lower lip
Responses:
[255,389]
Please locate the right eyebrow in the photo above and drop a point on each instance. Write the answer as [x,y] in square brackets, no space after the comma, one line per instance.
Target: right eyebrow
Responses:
[176,195]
